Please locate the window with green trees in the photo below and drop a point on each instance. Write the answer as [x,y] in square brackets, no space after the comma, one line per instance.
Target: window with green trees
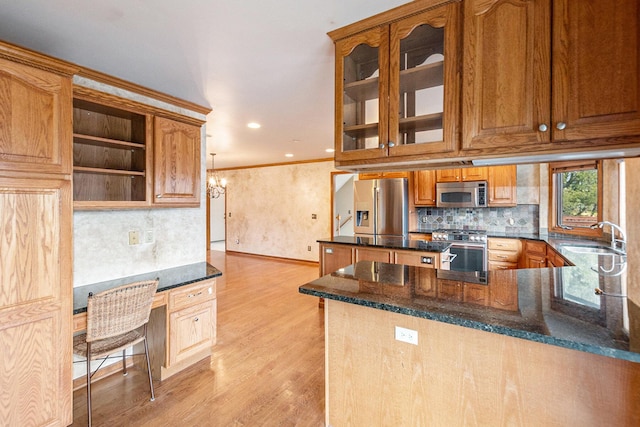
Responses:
[576,196]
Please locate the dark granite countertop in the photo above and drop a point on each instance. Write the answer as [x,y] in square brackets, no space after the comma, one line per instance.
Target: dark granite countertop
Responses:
[389,243]
[556,306]
[169,278]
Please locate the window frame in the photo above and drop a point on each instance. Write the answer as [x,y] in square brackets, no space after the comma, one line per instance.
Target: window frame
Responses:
[560,167]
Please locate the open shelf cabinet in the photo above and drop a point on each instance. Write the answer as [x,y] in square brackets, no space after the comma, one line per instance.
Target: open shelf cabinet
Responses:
[110,155]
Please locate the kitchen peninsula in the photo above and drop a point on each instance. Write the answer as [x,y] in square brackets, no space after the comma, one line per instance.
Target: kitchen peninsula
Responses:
[475,348]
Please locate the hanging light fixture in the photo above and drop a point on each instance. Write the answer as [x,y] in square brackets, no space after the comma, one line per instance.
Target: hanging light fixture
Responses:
[215,185]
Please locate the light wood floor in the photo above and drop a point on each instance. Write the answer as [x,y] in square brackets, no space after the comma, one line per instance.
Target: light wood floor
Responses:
[266,370]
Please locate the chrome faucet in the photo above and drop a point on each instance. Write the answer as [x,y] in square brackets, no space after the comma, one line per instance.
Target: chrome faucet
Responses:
[622,242]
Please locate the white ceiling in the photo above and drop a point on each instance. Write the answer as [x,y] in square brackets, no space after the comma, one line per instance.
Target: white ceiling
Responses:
[268,61]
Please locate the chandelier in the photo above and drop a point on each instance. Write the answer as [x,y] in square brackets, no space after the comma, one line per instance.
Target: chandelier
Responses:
[215,185]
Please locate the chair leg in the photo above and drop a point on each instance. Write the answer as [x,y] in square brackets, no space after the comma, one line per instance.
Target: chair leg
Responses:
[146,353]
[124,362]
[89,383]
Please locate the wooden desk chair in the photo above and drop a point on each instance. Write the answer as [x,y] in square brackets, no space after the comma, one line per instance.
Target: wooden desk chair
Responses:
[116,320]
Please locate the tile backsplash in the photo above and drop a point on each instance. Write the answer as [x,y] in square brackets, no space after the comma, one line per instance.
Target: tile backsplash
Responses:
[518,219]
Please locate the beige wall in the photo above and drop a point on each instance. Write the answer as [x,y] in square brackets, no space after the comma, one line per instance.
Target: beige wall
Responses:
[269,209]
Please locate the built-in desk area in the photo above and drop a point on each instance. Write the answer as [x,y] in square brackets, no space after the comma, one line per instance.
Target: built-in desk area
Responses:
[182,326]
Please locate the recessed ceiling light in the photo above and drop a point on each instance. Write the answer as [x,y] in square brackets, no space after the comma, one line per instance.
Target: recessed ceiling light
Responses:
[253,125]
[288,155]
[330,150]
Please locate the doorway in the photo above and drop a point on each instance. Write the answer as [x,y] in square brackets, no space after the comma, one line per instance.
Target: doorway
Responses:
[217,221]
[342,210]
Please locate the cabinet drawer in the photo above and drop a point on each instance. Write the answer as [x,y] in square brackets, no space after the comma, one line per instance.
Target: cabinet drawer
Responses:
[503,256]
[499,265]
[192,294]
[191,330]
[504,244]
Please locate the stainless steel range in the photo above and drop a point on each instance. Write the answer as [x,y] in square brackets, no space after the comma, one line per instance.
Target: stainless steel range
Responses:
[469,246]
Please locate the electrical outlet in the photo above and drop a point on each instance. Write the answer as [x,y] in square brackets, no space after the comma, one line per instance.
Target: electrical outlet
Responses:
[406,335]
[134,238]
[314,216]
[309,248]
[149,236]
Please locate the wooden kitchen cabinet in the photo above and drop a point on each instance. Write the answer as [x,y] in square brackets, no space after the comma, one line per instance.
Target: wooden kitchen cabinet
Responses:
[590,50]
[334,257]
[502,186]
[381,175]
[110,154]
[534,254]
[36,246]
[176,163]
[424,188]
[127,156]
[34,113]
[192,326]
[397,85]
[372,254]
[502,183]
[462,174]
[503,254]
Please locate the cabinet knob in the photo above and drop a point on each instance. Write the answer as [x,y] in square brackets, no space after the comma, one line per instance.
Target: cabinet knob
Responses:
[561,125]
[392,144]
[543,127]
[381,145]
[196,319]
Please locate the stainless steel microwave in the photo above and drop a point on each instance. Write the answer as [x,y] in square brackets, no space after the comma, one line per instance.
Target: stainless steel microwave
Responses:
[471,194]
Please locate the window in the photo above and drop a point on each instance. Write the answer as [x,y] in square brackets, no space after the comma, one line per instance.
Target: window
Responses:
[576,201]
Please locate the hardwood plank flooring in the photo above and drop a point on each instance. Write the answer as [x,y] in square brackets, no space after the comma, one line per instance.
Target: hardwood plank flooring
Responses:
[267,368]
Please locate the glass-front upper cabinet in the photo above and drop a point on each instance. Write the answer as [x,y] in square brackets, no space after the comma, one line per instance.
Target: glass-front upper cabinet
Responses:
[397,88]
[362,81]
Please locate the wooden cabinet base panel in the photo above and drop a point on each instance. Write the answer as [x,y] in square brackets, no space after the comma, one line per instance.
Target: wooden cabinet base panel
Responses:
[463,376]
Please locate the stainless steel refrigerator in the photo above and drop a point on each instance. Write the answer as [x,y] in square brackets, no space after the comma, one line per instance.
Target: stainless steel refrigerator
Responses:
[381,207]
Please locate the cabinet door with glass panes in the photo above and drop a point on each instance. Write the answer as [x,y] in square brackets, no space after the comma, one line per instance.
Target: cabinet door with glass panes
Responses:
[396,94]
[424,83]
[362,82]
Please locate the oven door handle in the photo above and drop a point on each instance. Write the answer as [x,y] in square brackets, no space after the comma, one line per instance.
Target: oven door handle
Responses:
[449,257]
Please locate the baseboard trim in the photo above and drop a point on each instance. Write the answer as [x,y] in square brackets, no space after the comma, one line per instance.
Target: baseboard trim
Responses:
[274,258]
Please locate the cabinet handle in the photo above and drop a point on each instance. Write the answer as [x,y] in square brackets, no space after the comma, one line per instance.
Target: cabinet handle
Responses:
[158,196]
[561,125]
[392,144]
[543,127]
[194,295]
[501,256]
[449,258]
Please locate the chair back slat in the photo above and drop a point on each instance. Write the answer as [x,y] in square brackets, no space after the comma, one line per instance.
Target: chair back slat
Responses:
[119,310]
